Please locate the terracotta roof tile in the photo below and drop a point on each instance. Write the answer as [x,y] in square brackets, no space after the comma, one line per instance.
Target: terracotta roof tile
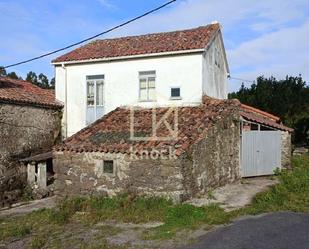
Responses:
[251,116]
[193,122]
[112,132]
[197,38]
[20,91]
[260,112]
[256,115]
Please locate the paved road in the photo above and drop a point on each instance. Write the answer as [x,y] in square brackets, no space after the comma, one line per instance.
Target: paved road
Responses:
[284,230]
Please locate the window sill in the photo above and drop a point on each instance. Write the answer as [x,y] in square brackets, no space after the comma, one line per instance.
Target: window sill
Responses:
[145,101]
[109,174]
[175,98]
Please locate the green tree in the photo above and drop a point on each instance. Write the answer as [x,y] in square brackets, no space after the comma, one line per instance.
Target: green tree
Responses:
[287,98]
[32,77]
[40,80]
[43,81]
[2,71]
[13,75]
[52,83]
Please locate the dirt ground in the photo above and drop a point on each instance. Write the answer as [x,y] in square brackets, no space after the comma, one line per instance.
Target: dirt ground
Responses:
[237,195]
[109,235]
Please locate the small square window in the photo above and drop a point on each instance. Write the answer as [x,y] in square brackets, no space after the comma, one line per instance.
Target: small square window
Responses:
[175,92]
[108,166]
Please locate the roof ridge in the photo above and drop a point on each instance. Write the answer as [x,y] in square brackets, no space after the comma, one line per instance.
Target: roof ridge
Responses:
[157,33]
[152,43]
[19,80]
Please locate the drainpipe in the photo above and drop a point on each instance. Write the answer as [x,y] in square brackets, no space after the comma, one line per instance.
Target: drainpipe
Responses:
[65,101]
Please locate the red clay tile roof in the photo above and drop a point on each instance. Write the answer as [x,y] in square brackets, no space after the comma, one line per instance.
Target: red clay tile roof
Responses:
[112,132]
[20,91]
[256,115]
[190,39]
[260,112]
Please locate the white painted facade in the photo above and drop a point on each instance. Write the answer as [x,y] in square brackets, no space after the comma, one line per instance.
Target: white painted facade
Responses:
[194,72]
[215,70]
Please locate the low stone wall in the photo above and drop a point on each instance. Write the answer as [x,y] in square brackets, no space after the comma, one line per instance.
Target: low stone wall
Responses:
[24,131]
[286,149]
[82,174]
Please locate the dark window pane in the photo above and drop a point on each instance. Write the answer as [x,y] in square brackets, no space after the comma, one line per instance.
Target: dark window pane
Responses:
[108,166]
[95,77]
[175,92]
[90,93]
[147,73]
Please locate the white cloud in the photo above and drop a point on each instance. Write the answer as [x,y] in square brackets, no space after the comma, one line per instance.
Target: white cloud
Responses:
[233,15]
[278,53]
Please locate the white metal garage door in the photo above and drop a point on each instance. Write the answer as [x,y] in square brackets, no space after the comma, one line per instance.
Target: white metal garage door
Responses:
[261,152]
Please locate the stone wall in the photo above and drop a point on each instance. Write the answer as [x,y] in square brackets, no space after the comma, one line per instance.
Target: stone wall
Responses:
[82,174]
[216,158]
[24,131]
[286,149]
[212,162]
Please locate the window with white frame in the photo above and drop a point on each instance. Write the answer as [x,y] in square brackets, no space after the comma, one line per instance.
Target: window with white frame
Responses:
[95,101]
[147,86]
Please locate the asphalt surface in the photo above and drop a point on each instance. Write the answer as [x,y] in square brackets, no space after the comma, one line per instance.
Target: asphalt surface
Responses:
[283,230]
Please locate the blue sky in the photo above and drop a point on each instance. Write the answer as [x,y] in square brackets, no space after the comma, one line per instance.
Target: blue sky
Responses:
[261,37]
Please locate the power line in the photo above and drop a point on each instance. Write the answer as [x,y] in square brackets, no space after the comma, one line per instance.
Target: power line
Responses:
[244,80]
[95,36]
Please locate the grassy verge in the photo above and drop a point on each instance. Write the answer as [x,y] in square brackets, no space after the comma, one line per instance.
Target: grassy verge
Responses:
[292,192]
[46,224]
[185,216]
[74,216]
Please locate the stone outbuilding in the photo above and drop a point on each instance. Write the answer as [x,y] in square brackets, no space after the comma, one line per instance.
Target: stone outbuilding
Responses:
[176,152]
[30,124]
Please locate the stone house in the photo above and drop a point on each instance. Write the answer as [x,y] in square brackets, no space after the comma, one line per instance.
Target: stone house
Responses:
[149,114]
[30,123]
[178,152]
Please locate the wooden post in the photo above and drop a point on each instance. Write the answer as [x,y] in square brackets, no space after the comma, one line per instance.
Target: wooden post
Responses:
[42,177]
[31,173]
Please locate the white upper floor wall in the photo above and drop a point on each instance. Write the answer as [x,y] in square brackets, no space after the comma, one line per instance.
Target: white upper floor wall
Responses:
[195,73]
[215,69]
